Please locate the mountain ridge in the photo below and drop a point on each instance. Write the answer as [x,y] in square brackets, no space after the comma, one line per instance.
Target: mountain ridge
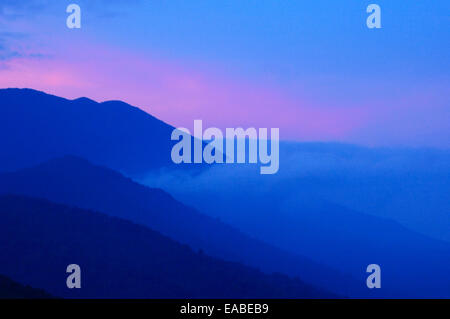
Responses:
[9,289]
[76,182]
[121,259]
[112,133]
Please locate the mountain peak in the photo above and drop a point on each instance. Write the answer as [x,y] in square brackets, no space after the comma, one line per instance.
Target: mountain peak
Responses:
[22,91]
[52,126]
[84,99]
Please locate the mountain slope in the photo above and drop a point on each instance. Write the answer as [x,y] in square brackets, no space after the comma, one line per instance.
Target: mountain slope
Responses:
[119,259]
[292,214]
[76,182]
[10,289]
[36,127]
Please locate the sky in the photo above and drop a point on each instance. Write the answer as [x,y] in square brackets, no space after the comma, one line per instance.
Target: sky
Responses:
[311,68]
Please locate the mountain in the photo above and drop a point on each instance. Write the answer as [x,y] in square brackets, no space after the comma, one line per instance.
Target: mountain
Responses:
[290,212]
[36,127]
[10,289]
[413,265]
[76,182]
[119,259]
[408,185]
[312,208]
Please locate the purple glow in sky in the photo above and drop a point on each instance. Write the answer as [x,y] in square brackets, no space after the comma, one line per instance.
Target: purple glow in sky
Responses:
[315,75]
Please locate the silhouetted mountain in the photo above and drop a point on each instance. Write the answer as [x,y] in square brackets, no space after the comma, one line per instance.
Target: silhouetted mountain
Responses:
[413,265]
[36,127]
[119,259]
[291,213]
[409,185]
[10,289]
[76,182]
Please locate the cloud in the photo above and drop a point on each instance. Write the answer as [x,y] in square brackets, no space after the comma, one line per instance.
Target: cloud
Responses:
[179,94]
[11,9]
[41,53]
[11,47]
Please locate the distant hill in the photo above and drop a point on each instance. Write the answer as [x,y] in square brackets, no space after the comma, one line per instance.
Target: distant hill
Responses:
[409,185]
[76,182]
[36,127]
[10,289]
[292,214]
[119,259]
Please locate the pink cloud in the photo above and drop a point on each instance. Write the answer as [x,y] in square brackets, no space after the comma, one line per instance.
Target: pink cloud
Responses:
[178,94]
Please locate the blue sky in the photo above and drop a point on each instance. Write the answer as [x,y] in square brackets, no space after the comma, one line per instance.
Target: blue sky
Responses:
[250,63]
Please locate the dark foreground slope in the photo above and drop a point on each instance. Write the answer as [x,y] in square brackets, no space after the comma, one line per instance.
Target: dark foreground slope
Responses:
[10,289]
[119,259]
[74,181]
